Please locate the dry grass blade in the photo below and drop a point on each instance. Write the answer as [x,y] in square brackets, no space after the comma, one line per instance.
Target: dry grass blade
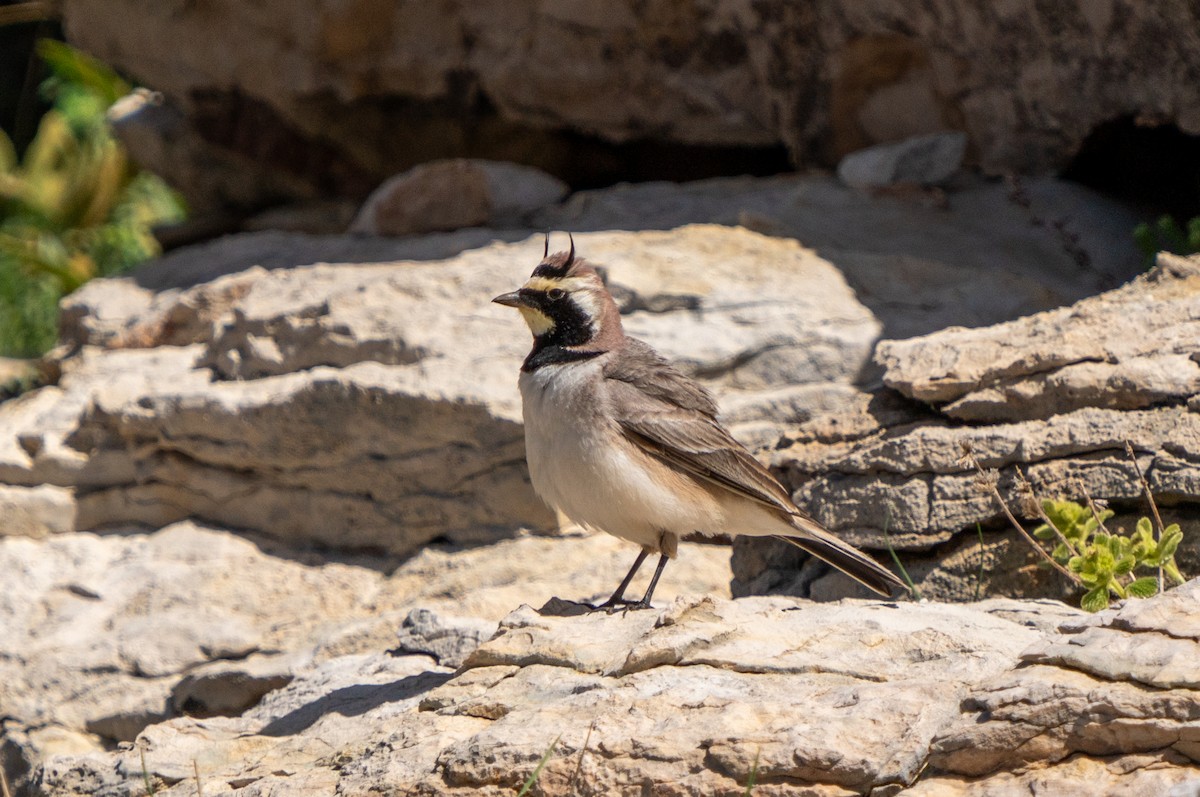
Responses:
[1092,505]
[199,786]
[4,792]
[989,481]
[1041,512]
[146,773]
[1158,524]
[582,752]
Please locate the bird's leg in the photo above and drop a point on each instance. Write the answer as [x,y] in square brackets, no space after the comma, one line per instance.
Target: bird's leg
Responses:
[644,603]
[618,597]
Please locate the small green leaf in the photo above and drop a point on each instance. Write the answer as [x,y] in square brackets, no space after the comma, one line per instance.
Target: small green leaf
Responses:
[1144,527]
[1044,532]
[1124,565]
[1193,230]
[1145,239]
[1171,538]
[1145,587]
[1095,599]
[1173,572]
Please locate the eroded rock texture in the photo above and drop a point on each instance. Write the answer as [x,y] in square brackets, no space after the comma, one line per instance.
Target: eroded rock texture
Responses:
[108,635]
[287,99]
[1057,395]
[998,698]
[374,406]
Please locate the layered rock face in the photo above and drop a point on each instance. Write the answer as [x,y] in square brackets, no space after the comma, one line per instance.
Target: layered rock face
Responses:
[270,459]
[707,696]
[360,392]
[326,97]
[375,406]
[1056,395]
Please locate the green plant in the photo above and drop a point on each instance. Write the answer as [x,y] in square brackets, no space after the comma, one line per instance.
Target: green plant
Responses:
[1103,560]
[752,779]
[1166,234]
[1099,561]
[887,539]
[532,779]
[150,790]
[73,207]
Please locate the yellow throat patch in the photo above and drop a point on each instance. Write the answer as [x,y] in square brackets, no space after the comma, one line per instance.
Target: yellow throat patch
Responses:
[538,322]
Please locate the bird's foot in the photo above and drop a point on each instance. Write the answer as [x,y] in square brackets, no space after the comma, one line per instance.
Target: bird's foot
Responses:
[614,605]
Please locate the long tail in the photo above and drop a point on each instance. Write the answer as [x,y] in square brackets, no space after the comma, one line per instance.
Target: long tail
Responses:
[815,540]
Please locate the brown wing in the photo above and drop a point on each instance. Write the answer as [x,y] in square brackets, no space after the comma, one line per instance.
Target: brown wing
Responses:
[643,368]
[669,415]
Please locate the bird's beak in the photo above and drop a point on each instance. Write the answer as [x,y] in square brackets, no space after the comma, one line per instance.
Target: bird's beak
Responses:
[512,299]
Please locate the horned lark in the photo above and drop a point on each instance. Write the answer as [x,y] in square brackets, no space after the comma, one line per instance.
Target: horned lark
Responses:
[618,439]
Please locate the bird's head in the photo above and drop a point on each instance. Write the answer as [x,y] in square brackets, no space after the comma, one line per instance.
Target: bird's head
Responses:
[564,302]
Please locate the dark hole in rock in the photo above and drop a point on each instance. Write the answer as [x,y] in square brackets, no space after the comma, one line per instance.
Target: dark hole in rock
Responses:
[1156,167]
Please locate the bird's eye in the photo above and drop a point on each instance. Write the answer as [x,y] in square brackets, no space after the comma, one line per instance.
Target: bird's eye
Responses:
[555,294]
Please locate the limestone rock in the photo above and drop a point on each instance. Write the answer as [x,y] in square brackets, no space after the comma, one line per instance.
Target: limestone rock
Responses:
[820,699]
[923,160]
[448,640]
[16,375]
[1127,349]
[375,405]
[36,511]
[447,195]
[1056,395]
[105,635]
[990,253]
[230,687]
[99,630]
[371,90]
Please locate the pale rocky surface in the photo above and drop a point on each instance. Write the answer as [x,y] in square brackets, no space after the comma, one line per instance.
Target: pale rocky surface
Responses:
[996,698]
[374,406]
[922,160]
[330,97]
[348,406]
[107,635]
[319,388]
[1056,395]
[451,194]
[981,253]
[1128,349]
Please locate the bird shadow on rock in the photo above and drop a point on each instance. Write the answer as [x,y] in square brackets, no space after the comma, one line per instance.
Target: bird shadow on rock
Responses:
[561,607]
[353,701]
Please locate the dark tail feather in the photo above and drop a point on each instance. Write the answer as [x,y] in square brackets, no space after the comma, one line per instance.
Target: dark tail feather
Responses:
[849,560]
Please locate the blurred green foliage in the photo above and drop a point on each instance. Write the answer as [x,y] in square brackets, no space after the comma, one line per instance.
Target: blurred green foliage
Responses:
[73,207]
[1165,235]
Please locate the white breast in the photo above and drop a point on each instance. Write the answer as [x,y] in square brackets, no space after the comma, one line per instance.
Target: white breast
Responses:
[581,464]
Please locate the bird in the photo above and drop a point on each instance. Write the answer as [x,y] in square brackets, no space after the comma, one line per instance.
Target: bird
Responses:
[619,439]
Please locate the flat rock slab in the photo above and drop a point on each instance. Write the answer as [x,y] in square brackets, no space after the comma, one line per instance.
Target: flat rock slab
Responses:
[105,635]
[374,406]
[1056,395]
[1131,348]
[817,699]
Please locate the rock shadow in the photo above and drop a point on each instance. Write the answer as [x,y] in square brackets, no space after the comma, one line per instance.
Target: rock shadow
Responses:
[199,263]
[353,701]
